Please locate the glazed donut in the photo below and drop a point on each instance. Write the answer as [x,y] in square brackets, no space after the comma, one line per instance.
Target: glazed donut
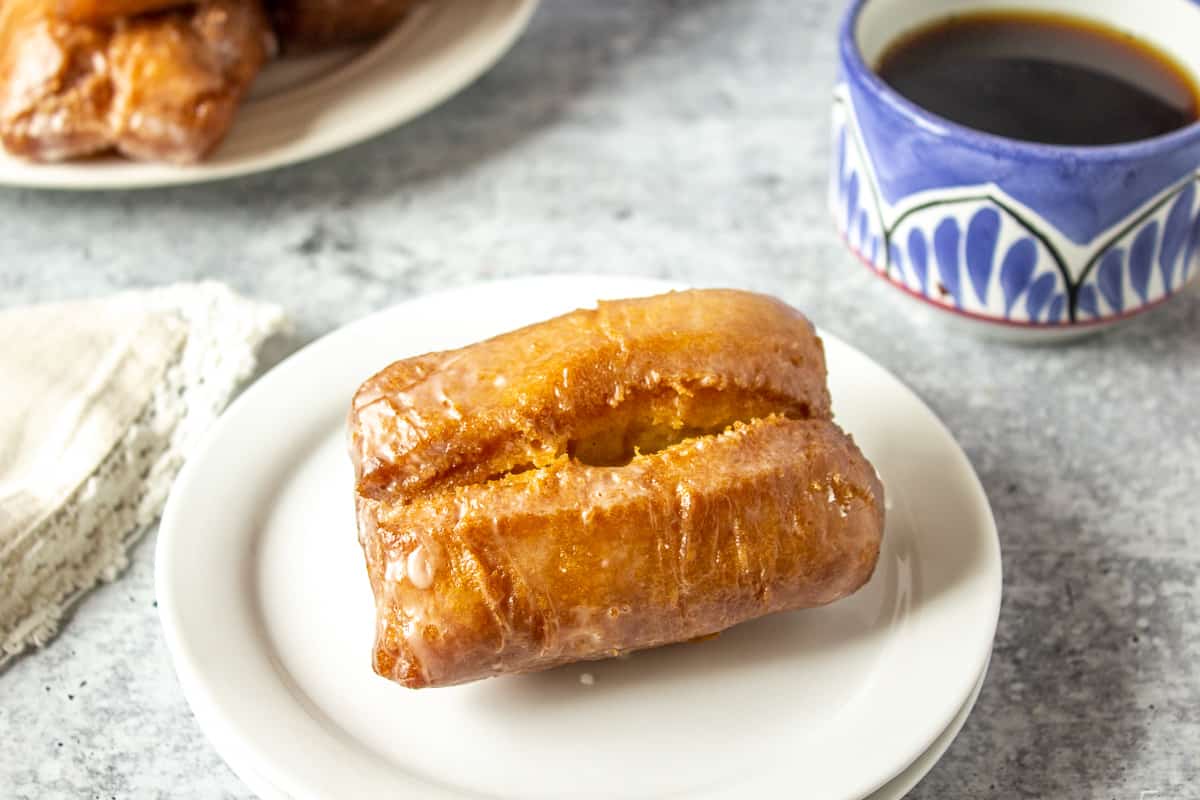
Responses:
[650,471]
[162,86]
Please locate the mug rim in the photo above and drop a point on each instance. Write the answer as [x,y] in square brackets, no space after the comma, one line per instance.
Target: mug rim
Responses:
[858,69]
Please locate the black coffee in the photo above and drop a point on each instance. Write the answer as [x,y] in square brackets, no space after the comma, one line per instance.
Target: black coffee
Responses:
[1042,78]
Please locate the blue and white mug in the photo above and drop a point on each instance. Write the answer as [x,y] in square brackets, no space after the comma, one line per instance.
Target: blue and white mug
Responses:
[1022,239]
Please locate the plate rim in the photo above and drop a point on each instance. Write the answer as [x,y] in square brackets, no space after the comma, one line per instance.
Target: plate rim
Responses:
[895,789]
[907,779]
[184,662]
[81,175]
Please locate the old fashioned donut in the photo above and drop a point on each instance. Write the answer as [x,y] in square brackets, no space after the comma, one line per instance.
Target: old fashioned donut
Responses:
[650,471]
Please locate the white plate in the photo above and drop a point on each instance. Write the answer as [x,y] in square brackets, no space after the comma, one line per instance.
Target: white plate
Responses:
[898,787]
[895,789]
[302,108]
[269,618]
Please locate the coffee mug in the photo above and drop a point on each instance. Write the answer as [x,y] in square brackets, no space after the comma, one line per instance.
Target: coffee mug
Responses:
[1015,238]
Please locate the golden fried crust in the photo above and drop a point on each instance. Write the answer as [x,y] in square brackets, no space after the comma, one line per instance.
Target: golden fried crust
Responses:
[575,562]
[315,24]
[54,88]
[690,362]
[161,87]
[177,79]
[652,471]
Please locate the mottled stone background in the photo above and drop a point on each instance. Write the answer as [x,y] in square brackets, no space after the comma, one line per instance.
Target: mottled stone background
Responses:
[687,140]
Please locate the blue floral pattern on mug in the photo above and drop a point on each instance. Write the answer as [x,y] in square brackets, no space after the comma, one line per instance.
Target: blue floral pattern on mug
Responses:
[1152,258]
[978,251]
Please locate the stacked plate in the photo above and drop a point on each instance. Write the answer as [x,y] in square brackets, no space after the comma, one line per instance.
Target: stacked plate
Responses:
[269,617]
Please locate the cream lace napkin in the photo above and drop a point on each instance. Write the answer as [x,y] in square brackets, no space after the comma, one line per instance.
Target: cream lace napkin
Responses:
[100,402]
